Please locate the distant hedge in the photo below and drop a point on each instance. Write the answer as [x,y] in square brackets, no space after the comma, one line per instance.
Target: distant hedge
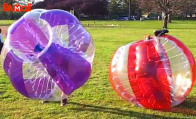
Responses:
[11,16]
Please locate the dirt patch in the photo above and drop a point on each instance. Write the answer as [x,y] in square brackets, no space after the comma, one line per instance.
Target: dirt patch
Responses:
[4,30]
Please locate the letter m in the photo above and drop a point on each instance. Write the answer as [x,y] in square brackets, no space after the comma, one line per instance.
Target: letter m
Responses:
[16,8]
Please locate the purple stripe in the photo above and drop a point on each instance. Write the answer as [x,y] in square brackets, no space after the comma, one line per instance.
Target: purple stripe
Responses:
[13,68]
[59,17]
[18,23]
[69,70]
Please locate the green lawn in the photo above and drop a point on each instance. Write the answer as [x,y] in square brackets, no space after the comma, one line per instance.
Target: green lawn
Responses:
[96,99]
[6,22]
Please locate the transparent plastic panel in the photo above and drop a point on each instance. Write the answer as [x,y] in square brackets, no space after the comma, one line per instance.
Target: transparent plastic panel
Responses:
[181,72]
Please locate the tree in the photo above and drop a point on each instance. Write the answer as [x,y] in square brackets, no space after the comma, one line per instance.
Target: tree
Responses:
[189,8]
[167,7]
[90,8]
[94,8]
[116,8]
[132,8]
[124,7]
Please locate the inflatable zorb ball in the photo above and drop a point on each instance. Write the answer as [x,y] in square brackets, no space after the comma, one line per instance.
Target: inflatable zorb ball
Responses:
[152,74]
[47,53]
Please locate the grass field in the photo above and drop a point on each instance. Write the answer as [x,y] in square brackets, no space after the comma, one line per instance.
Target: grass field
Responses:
[96,99]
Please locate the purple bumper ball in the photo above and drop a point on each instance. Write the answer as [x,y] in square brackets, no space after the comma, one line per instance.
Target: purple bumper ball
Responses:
[47,54]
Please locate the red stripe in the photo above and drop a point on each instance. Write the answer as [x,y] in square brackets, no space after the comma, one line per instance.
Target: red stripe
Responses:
[149,83]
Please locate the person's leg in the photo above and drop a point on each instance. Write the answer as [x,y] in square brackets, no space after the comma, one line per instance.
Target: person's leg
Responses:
[159,47]
[63,99]
[1,46]
[44,101]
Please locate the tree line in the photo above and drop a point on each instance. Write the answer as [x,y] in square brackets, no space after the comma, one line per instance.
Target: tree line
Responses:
[108,9]
[89,8]
[114,8]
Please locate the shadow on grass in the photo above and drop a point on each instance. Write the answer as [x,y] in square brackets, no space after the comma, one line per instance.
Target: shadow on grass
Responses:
[188,107]
[117,111]
[2,92]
